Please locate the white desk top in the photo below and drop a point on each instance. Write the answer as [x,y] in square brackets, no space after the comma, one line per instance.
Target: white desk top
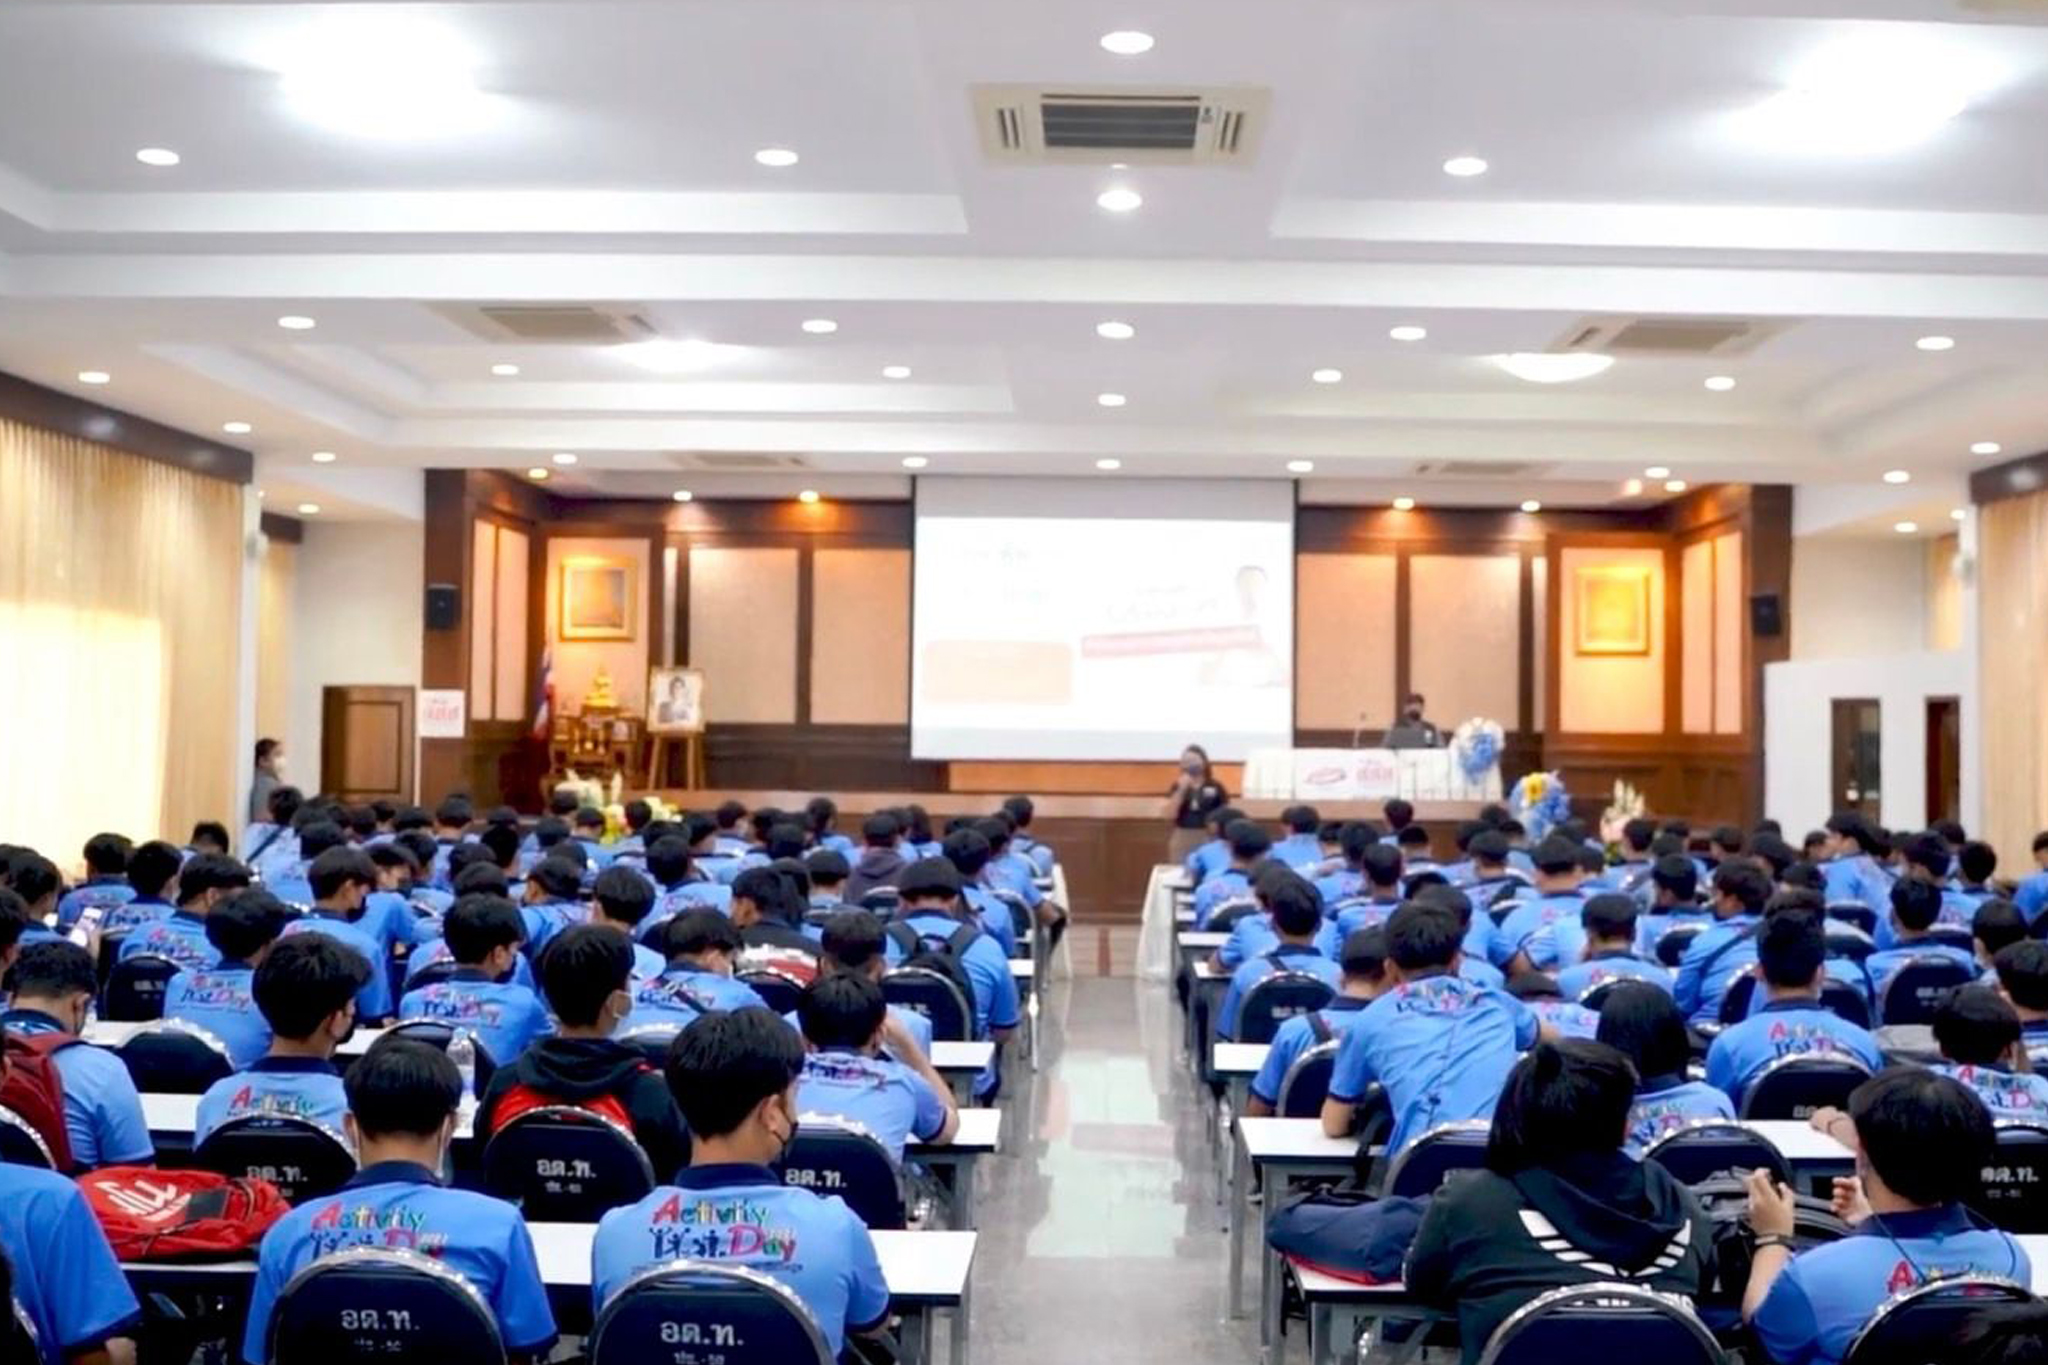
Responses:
[1202,971]
[1239,1059]
[1798,1141]
[1022,969]
[966,1058]
[107,1034]
[1200,940]
[1294,1140]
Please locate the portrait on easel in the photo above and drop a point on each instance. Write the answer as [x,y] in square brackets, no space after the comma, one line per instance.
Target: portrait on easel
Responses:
[675,701]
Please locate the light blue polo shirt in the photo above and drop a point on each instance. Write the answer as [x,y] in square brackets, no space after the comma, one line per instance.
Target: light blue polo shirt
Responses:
[1357,914]
[681,993]
[102,1112]
[1298,1035]
[438,951]
[1665,1104]
[373,1001]
[1784,1028]
[505,1019]
[1715,954]
[221,1000]
[545,919]
[102,892]
[1559,911]
[1299,851]
[1254,934]
[1442,1047]
[987,967]
[1858,878]
[885,1097]
[1231,884]
[1569,1018]
[993,914]
[1283,957]
[2031,895]
[2011,1096]
[1341,885]
[1885,963]
[274,1087]
[1206,860]
[134,912]
[1592,972]
[65,1275]
[179,936]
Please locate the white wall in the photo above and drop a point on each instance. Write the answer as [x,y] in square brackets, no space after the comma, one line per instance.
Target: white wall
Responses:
[1853,597]
[356,621]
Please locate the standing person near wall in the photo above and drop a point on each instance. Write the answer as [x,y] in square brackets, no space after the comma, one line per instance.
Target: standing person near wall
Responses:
[268,778]
[1194,794]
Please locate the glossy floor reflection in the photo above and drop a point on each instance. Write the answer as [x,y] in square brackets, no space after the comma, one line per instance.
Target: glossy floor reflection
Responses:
[1102,1233]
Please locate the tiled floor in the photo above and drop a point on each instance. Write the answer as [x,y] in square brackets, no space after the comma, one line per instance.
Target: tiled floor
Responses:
[1102,1235]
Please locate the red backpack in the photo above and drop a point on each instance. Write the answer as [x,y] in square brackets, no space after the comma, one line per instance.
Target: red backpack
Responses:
[31,1087]
[524,1099]
[157,1215]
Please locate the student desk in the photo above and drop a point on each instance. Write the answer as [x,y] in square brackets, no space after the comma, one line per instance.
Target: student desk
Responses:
[1205,988]
[925,1271]
[1193,945]
[1235,1064]
[1275,1152]
[1025,972]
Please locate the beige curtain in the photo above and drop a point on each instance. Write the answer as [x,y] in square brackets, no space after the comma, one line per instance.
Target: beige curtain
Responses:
[119,585]
[2012,589]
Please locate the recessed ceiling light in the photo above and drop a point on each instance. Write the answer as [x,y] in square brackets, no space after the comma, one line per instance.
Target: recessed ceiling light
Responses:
[915,462]
[1720,383]
[1407,333]
[1109,464]
[309,509]
[1897,476]
[1657,471]
[664,356]
[324,457]
[564,457]
[537,474]
[1546,367]
[1404,504]
[1465,167]
[807,495]
[1531,505]
[1632,488]
[777,157]
[682,495]
[1127,42]
[158,156]
[1327,376]
[1674,485]
[895,372]
[1110,400]
[1873,92]
[1958,513]
[1301,466]
[296,322]
[504,370]
[1986,448]
[236,428]
[385,75]
[1936,343]
[1905,528]
[1115,331]
[94,377]
[819,327]
[1122,199]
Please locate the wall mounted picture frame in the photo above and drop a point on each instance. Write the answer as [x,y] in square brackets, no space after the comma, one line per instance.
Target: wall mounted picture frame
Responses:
[597,599]
[1612,613]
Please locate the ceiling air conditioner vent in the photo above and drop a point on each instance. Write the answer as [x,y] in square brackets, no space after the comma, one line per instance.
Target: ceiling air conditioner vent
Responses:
[1482,469]
[1025,124]
[742,461]
[1670,336]
[552,323]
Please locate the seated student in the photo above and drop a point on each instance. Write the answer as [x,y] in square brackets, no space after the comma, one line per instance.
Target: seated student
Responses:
[1558,898]
[1413,842]
[845,1024]
[53,986]
[821,815]
[1440,1045]
[1539,994]
[854,940]
[106,879]
[315,835]
[1478,933]
[1790,947]
[1608,922]
[1725,947]
[587,974]
[1254,934]
[221,999]
[271,847]
[181,935]
[306,989]
[402,1099]
[1249,844]
[1559,1202]
[152,867]
[1364,965]
[679,885]
[341,879]
[37,881]
[969,852]
[553,901]
[1632,869]
[15,927]
[209,836]
[60,1275]
[2031,895]
[1996,925]
[768,906]
[701,947]
[589,830]
[1979,1037]
[1021,810]
[484,934]
[1643,1023]
[1908,1210]
[1916,908]
[1011,872]
[1347,879]
[1976,862]
[1212,855]
[2023,980]
[1299,849]
[477,879]
[880,863]
[1297,917]
[621,900]
[1494,884]
[392,913]
[726,828]
[931,915]
[1925,858]
[828,871]
[1380,868]
[1850,864]
[633,845]
[736,1075]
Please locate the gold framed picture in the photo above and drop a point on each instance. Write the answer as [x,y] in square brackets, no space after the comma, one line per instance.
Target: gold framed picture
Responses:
[597,599]
[1613,609]
[675,701]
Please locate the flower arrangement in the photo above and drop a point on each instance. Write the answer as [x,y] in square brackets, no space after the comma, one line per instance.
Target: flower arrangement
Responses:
[1628,804]
[1540,801]
[1475,747]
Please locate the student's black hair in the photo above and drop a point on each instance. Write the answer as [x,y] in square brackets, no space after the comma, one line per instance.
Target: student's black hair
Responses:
[1768,826]
[697,827]
[1915,904]
[588,817]
[1354,839]
[796,890]
[1727,838]
[1796,898]
[853,938]
[1466,832]
[1421,935]
[209,872]
[1951,831]
[412,818]
[151,867]
[729,814]
[1222,818]
[1609,915]
[318,836]
[477,924]
[786,839]
[1974,1025]
[1555,855]
[1534,985]
[1746,882]
[1563,1100]
[1813,840]
[880,830]
[2040,844]
[571,852]
[1776,854]
[623,895]
[1591,860]
[1297,909]
[1680,829]
[557,876]
[1664,845]
[1976,860]
[1637,834]
[918,823]
[1431,889]
[698,931]
[1643,1023]
[284,804]
[390,854]
[362,821]
[2023,971]
[106,855]
[1021,809]
[1513,828]
[760,820]
[503,842]
[1790,948]
[34,877]
[304,979]
[417,842]
[996,832]
[403,1086]
[336,868]
[841,1009]
[52,971]
[266,747]
[771,891]
[1493,813]
[455,812]
[1301,819]
[563,801]
[1929,852]
[1489,846]
[1398,812]
[1905,1112]
[243,923]
[637,813]
[210,832]
[827,866]
[1248,840]
[1997,923]
[581,968]
[726,1062]
[1412,836]
[668,860]
[1804,876]
[1364,953]
[819,813]
[482,876]
[968,851]
[1381,864]
[2005,1334]
[15,921]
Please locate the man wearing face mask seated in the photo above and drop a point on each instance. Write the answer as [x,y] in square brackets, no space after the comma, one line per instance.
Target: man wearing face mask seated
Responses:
[1413,730]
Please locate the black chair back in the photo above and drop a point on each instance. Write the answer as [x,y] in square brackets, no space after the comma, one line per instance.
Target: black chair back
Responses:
[1307,1082]
[134,991]
[441,1034]
[883,900]
[1698,1152]
[21,1144]
[1276,999]
[560,1164]
[369,1303]
[1793,1087]
[1419,1169]
[1020,920]
[779,989]
[1223,918]
[1916,990]
[1854,912]
[1603,1321]
[1846,940]
[1951,936]
[303,1159]
[433,974]
[109,954]
[923,991]
[1735,1001]
[1671,945]
[2013,1186]
[18,1339]
[1920,1326]
[651,1041]
[831,1155]
[740,1314]
[172,1057]
[1845,1001]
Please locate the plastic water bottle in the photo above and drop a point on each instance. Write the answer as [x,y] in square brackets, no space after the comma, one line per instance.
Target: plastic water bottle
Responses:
[462,1052]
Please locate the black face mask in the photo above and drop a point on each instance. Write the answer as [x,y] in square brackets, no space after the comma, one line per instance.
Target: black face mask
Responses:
[1414,713]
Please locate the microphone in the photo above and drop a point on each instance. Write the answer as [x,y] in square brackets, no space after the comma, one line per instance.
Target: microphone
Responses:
[1358,732]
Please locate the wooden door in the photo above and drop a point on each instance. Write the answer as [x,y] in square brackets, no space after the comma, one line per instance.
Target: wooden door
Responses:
[366,742]
[1858,758]
[1944,759]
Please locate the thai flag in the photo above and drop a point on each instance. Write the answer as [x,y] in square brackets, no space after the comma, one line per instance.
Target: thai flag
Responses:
[544,693]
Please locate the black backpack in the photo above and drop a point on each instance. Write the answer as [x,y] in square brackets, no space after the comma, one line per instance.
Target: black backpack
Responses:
[1725,1200]
[941,953]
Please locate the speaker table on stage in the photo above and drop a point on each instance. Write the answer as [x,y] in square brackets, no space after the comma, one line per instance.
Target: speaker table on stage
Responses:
[1313,775]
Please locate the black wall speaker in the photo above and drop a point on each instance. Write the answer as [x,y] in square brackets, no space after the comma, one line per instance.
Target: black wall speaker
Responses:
[1766,615]
[444,606]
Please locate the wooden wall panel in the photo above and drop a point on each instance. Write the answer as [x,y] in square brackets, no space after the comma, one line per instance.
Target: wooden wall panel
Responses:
[1609,693]
[509,661]
[1464,635]
[1108,779]
[2012,587]
[1344,641]
[578,662]
[1696,638]
[860,637]
[743,633]
[1731,629]
[274,623]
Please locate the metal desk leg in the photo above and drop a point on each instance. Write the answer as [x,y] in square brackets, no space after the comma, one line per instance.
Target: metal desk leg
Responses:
[1234,1228]
[963,1195]
[917,1336]
[957,1349]
[1270,1185]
